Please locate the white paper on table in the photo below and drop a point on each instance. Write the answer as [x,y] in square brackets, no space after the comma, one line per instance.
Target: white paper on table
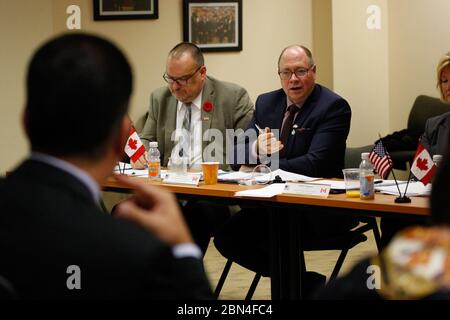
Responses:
[266,192]
[340,185]
[285,176]
[141,173]
[386,183]
[135,173]
[414,189]
[234,176]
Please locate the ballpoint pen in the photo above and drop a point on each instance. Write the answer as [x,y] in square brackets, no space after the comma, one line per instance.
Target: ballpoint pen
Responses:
[261,131]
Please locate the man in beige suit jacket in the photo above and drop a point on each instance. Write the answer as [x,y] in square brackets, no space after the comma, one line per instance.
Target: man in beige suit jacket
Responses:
[219,105]
[215,105]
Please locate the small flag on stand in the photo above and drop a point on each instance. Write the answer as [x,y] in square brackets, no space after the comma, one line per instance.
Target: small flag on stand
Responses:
[381,160]
[134,147]
[423,167]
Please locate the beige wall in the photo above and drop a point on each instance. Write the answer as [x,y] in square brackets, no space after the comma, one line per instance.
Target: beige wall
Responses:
[267,28]
[361,70]
[379,72]
[322,16]
[23,25]
[418,37]
[382,72]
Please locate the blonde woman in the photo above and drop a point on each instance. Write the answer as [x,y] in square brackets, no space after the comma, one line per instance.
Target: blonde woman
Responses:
[437,129]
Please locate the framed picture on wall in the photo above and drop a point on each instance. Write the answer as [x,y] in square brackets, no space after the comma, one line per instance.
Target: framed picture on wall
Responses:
[125,9]
[213,25]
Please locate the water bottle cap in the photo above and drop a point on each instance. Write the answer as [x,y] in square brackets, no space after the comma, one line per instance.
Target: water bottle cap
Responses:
[365,155]
[154,144]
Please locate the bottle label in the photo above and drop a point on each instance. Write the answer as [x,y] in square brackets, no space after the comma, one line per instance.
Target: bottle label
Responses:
[154,169]
[367,189]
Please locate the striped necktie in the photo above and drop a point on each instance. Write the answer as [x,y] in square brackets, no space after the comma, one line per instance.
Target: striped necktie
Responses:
[186,126]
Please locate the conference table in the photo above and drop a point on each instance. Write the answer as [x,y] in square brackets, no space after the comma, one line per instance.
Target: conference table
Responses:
[285,238]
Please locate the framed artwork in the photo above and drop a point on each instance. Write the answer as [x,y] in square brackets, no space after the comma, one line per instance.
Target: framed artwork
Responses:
[213,25]
[125,9]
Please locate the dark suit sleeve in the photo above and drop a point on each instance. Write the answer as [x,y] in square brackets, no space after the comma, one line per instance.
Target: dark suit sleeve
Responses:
[170,278]
[191,274]
[352,286]
[426,137]
[325,155]
[436,136]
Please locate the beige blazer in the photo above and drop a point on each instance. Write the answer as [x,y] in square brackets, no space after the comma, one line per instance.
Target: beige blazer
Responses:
[232,109]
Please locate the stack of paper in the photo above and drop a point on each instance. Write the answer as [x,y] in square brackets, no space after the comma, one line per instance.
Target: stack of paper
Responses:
[234,176]
[414,189]
[284,175]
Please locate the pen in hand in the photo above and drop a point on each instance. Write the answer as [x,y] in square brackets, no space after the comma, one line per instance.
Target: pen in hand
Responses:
[261,131]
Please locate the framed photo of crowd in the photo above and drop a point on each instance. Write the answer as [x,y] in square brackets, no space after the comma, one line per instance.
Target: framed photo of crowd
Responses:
[125,9]
[213,25]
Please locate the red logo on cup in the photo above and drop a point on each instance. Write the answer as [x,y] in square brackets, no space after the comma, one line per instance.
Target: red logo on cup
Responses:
[208,106]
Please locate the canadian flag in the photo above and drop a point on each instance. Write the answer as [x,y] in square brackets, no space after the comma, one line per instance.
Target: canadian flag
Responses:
[423,167]
[134,147]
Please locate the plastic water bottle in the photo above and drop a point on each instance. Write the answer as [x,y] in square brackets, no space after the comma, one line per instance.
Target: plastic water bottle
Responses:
[366,178]
[154,162]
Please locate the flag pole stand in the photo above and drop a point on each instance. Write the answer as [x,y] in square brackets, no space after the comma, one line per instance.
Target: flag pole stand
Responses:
[403,199]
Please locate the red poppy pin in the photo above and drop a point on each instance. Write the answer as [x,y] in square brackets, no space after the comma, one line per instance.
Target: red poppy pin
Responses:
[208,106]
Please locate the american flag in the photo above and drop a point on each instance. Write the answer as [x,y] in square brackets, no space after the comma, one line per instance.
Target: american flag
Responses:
[381,160]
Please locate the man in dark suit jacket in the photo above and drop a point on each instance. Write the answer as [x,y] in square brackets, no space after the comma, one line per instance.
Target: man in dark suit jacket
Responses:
[55,240]
[316,142]
[313,124]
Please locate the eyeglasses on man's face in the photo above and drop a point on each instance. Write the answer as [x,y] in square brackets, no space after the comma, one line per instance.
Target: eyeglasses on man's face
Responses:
[182,81]
[299,73]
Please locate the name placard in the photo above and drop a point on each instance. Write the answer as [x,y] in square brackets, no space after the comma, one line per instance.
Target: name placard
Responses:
[307,189]
[189,178]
